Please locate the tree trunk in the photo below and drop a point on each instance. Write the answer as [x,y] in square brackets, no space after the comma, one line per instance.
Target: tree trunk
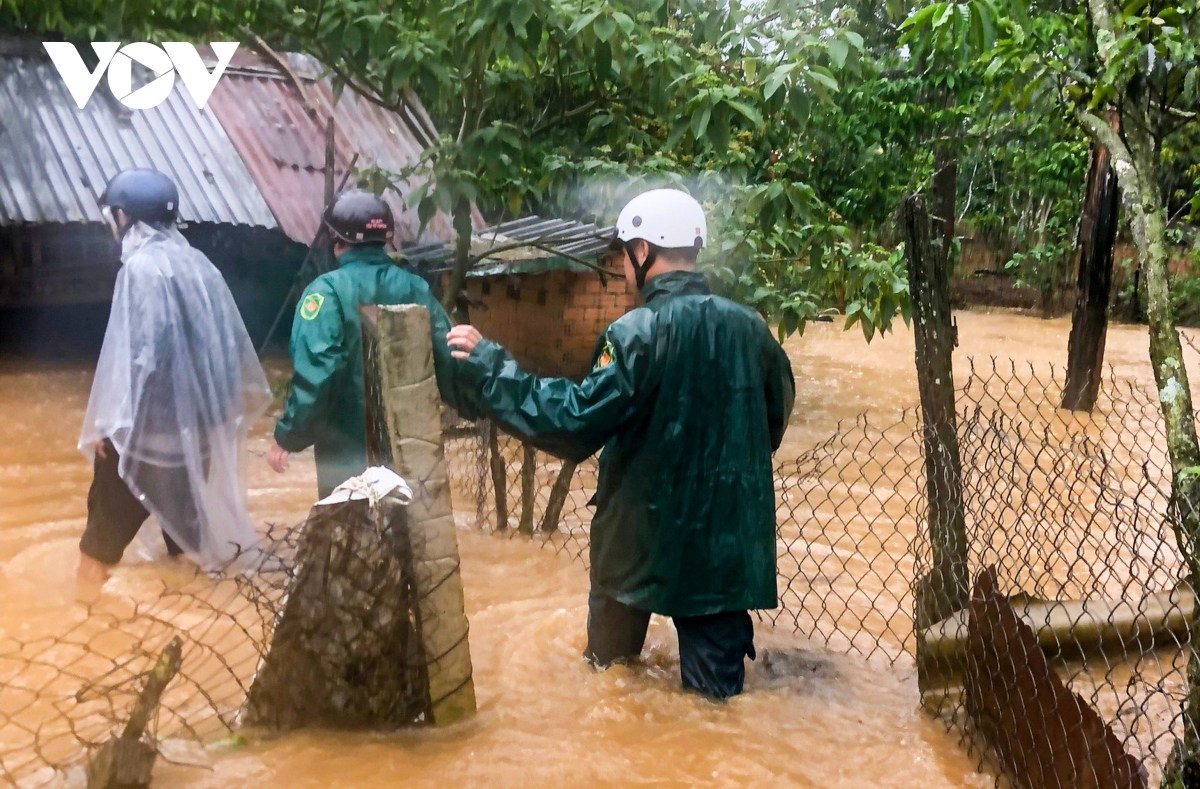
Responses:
[1135,157]
[1089,323]
[944,590]
[944,195]
[462,256]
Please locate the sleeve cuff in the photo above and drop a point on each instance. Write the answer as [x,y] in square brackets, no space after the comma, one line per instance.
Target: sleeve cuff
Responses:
[482,360]
[285,439]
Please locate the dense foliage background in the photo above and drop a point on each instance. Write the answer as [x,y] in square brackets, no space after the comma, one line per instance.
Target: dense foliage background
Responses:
[799,124]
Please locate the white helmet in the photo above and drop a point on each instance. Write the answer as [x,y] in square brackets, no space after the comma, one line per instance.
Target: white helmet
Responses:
[667,218]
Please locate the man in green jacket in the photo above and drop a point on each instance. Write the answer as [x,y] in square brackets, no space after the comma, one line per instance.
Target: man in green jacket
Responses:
[325,405]
[689,395]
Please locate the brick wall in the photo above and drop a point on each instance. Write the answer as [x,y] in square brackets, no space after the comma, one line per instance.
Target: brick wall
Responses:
[549,322]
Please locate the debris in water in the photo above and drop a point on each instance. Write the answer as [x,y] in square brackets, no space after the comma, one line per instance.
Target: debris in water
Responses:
[780,664]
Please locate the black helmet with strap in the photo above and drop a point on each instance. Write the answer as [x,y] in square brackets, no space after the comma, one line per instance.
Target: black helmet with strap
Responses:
[144,195]
[360,217]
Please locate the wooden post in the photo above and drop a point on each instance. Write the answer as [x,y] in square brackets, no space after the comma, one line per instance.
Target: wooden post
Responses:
[1089,322]
[499,476]
[558,497]
[413,407]
[944,590]
[528,487]
[126,762]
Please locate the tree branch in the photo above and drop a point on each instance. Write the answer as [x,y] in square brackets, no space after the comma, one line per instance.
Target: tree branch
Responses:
[1103,133]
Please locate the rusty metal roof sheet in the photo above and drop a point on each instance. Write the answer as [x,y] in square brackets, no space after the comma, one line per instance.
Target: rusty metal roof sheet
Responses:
[281,137]
[529,245]
[56,158]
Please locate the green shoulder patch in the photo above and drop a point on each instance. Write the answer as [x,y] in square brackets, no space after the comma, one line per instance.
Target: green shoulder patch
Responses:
[311,305]
[606,356]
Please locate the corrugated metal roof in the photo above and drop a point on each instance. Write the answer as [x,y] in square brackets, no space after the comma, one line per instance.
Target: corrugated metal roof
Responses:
[56,158]
[283,144]
[524,246]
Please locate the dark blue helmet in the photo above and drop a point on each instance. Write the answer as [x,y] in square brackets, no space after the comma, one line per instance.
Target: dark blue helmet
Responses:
[145,195]
[360,217]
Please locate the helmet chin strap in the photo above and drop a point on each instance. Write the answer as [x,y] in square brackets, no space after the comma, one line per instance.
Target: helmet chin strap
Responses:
[640,269]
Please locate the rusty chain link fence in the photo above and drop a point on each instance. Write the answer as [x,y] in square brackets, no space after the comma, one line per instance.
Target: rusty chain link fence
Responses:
[66,687]
[1080,595]
[1067,668]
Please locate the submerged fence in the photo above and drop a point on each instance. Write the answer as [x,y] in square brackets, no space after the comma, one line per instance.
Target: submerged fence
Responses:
[1078,586]
[1066,517]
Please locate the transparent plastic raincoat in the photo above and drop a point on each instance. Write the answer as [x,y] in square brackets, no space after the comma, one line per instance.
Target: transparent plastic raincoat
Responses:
[176,388]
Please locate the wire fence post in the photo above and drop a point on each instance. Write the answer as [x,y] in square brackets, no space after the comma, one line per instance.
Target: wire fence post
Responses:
[499,474]
[943,591]
[558,497]
[528,488]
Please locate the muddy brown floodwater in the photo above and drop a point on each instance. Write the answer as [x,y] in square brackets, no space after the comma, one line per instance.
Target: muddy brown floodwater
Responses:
[545,719]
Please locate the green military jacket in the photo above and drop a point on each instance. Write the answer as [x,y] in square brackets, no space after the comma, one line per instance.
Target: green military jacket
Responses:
[689,395]
[325,407]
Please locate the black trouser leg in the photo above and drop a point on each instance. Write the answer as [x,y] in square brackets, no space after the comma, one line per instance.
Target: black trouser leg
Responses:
[179,509]
[114,513]
[711,652]
[615,631]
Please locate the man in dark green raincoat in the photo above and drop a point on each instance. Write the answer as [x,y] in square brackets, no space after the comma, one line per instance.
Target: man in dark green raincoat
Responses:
[325,405]
[689,395]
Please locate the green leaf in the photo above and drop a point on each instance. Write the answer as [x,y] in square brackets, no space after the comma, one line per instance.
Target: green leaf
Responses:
[799,104]
[426,210]
[603,61]
[776,79]
[838,50]
[920,18]
[823,77]
[718,132]
[625,21]
[521,14]
[700,122]
[947,12]
[580,23]
[604,28]
[677,131]
[751,114]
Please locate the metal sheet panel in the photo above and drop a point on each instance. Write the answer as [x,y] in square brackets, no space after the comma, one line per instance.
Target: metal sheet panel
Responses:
[282,140]
[56,158]
[556,238]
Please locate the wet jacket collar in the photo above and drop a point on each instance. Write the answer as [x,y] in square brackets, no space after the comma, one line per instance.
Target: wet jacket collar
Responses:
[364,254]
[676,283]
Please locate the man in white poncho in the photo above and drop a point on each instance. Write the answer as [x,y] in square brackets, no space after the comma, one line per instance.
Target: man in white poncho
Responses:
[176,388]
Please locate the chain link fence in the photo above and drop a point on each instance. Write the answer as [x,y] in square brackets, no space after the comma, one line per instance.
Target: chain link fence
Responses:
[1065,512]
[1068,542]
[68,686]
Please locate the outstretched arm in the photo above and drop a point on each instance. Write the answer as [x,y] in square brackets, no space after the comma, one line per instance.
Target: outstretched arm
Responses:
[451,385]
[567,419]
